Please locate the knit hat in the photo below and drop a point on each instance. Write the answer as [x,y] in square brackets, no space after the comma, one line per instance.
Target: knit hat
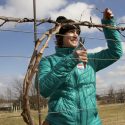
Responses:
[65,28]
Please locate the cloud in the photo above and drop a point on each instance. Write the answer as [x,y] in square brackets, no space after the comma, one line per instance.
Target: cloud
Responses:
[1,85]
[2,88]
[97,49]
[121,19]
[123,46]
[8,81]
[121,68]
[119,71]
[105,81]
[75,10]
[12,78]
[99,79]
[101,85]
[24,8]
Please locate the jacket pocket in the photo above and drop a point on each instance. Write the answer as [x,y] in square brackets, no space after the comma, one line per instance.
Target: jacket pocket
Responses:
[63,110]
[54,105]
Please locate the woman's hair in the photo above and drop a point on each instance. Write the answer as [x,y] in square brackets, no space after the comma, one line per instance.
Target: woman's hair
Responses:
[65,28]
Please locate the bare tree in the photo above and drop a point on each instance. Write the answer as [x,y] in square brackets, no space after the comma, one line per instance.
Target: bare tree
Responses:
[2,98]
[121,95]
[111,95]
[18,87]
[18,90]
[9,94]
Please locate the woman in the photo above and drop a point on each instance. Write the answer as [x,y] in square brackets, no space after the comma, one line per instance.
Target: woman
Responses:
[71,85]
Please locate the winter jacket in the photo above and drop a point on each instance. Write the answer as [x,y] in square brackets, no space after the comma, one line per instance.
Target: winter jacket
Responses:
[71,88]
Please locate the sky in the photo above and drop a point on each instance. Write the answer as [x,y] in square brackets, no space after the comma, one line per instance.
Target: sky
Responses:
[22,44]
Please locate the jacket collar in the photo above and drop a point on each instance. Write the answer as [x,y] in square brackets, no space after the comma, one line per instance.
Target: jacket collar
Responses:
[63,51]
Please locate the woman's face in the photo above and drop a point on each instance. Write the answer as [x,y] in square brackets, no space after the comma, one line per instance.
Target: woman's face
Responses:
[70,39]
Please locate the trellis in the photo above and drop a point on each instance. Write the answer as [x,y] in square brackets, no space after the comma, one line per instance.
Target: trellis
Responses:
[37,54]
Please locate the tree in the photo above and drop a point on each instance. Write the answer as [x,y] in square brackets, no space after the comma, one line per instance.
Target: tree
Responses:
[18,89]
[9,95]
[121,95]
[111,95]
[2,98]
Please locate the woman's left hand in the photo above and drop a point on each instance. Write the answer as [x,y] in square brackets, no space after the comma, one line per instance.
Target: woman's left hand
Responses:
[108,14]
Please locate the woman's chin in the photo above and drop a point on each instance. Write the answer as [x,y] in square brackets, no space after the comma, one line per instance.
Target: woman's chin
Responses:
[74,45]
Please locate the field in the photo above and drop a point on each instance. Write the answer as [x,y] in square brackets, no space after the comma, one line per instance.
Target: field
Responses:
[113,114]
[110,115]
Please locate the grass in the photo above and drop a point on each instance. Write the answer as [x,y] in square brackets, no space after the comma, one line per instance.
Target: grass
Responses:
[113,114]
[7,118]
[110,114]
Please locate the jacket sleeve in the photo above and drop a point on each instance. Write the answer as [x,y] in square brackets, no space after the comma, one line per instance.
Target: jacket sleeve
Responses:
[114,51]
[51,78]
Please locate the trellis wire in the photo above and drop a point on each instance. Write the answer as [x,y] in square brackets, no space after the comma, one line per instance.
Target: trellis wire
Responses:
[27,57]
[86,37]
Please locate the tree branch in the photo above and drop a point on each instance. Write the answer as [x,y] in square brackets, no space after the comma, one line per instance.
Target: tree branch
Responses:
[3,23]
[48,20]
[25,20]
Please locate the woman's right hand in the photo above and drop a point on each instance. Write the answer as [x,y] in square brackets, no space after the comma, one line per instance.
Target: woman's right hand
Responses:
[81,55]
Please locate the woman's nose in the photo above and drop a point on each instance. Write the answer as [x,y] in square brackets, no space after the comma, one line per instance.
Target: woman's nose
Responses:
[75,34]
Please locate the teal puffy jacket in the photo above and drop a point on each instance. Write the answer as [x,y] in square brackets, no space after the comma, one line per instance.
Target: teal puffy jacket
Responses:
[71,88]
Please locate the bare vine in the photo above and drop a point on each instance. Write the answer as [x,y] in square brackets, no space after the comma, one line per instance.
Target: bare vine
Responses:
[32,69]
[48,20]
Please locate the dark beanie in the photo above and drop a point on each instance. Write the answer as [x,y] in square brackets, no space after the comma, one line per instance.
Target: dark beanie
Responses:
[65,28]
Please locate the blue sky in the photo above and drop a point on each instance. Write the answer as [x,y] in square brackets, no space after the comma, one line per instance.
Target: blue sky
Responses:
[21,44]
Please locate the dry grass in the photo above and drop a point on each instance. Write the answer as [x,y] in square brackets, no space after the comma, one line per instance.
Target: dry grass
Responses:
[14,118]
[113,114]
[110,115]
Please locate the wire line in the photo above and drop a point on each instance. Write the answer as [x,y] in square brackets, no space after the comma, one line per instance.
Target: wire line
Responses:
[22,31]
[14,56]
[28,57]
